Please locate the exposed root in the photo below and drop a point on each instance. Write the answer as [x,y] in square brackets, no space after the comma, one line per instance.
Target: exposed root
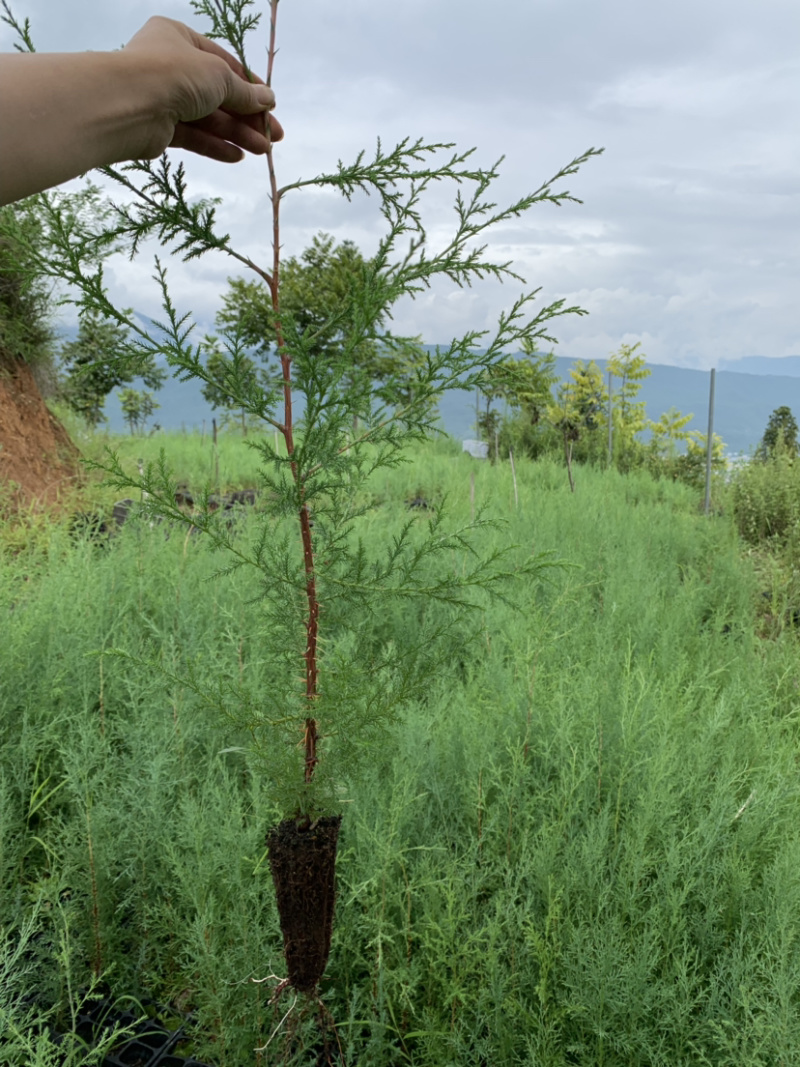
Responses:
[325,1017]
[283,983]
[266,1045]
[269,978]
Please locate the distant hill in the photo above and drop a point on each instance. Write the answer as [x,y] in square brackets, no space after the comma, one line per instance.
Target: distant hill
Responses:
[747,391]
[743,401]
[782,366]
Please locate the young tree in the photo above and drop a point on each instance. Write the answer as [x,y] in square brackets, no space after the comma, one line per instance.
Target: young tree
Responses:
[319,296]
[577,412]
[566,419]
[29,290]
[781,433]
[488,420]
[100,360]
[666,436]
[627,364]
[137,407]
[588,394]
[26,299]
[526,384]
[690,466]
[222,371]
[332,694]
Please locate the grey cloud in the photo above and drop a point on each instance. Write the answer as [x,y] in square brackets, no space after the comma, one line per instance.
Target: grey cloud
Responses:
[688,232]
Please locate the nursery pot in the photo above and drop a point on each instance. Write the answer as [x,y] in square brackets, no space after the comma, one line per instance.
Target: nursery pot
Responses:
[302,859]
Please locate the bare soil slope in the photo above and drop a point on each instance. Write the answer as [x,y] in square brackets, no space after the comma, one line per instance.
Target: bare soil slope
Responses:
[38,461]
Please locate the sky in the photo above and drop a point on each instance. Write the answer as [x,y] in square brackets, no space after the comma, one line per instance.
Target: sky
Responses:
[688,237]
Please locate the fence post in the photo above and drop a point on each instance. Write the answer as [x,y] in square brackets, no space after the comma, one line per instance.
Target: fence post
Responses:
[514,476]
[610,425]
[710,445]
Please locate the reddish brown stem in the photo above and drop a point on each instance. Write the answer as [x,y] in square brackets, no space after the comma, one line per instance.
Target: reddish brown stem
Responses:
[310,735]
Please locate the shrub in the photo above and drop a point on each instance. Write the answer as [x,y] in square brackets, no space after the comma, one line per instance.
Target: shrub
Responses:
[766,500]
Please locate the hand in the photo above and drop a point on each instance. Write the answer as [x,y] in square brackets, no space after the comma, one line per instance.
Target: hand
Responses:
[209,106]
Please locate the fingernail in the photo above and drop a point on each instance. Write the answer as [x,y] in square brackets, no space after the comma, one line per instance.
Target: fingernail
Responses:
[265,96]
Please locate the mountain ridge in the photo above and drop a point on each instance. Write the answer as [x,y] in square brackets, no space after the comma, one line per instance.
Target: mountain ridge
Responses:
[747,391]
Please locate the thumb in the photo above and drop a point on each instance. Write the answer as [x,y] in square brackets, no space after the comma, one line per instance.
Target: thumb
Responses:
[246,98]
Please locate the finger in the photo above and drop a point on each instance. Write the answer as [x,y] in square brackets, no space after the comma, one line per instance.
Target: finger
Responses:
[246,92]
[275,129]
[189,136]
[234,129]
[205,44]
[245,97]
[259,124]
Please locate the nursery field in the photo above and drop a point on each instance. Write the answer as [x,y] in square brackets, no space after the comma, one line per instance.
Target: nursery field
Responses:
[579,846]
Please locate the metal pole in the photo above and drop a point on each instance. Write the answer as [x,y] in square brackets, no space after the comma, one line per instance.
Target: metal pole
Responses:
[710,446]
[610,425]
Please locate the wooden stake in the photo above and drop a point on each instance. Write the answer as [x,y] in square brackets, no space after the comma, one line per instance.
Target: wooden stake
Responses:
[216,454]
[514,476]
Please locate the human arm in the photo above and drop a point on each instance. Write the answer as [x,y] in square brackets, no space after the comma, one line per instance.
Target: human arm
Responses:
[62,114]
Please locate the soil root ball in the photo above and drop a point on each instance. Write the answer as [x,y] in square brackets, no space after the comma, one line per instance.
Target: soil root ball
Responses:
[302,859]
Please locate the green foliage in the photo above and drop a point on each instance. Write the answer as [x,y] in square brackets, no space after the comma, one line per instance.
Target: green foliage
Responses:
[690,466]
[576,414]
[30,290]
[22,29]
[326,318]
[627,365]
[577,420]
[779,436]
[192,457]
[221,368]
[98,361]
[137,407]
[27,1040]
[766,499]
[668,432]
[26,304]
[581,844]
[315,289]
[526,385]
[402,372]
[585,395]
[320,294]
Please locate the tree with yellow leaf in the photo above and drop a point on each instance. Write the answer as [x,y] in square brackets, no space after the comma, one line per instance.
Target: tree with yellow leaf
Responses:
[577,412]
[629,416]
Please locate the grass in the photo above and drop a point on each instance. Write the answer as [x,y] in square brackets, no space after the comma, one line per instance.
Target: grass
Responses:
[580,847]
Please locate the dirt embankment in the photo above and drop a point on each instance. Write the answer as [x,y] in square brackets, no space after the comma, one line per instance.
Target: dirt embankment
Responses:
[38,461]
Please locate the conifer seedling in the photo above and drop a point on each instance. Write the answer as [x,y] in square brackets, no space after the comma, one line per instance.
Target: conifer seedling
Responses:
[324,694]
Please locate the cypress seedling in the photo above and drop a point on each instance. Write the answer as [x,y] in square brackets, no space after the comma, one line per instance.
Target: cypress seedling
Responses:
[332,692]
